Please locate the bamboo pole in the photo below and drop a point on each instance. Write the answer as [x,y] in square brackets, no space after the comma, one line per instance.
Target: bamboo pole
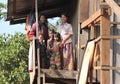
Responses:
[38,55]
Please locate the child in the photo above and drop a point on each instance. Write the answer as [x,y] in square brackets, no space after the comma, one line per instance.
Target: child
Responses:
[50,44]
[50,40]
[43,56]
[55,57]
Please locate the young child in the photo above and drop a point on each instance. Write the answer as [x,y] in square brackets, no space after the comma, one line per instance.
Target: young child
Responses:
[55,57]
[50,44]
[43,55]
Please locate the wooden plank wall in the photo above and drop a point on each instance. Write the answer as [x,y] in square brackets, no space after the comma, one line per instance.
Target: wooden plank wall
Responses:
[115,50]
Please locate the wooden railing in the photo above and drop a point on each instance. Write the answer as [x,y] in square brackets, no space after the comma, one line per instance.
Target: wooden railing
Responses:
[102,19]
[114,6]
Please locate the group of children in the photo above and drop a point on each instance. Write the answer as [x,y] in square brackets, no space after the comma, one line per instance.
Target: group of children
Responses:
[50,52]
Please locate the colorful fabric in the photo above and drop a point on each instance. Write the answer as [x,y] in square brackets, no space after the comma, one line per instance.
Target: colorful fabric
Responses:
[55,62]
[31,62]
[68,62]
[42,29]
[31,18]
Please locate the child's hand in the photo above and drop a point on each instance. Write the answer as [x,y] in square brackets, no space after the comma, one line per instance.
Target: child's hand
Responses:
[62,43]
[50,49]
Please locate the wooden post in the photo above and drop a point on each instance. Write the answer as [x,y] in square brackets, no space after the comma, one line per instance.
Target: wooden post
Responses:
[83,15]
[38,49]
[84,10]
[92,32]
[105,48]
[93,6]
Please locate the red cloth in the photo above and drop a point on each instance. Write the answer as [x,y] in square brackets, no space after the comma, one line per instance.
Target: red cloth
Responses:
[32,33]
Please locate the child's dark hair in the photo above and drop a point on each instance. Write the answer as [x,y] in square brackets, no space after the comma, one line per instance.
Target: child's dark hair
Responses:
[52,30]
[41,35]
[65,14]
[58,36]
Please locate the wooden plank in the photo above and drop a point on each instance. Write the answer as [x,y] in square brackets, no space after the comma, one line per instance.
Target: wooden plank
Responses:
[10,9]
[104,49]
[115,23]
[91,19]
[106,68]
[93,6]
[84,10]
[63,74]
[109,37]
[88,58]
[114,6]
[92,32]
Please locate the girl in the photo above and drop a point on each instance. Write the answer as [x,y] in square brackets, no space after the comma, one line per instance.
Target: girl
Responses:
[50,44]
[65,29]
[55,57]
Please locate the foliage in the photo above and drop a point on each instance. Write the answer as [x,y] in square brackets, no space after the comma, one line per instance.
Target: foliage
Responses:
[14,59]
[51,26]
[2,13]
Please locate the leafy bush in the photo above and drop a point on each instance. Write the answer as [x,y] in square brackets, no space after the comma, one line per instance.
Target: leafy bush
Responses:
[14,59]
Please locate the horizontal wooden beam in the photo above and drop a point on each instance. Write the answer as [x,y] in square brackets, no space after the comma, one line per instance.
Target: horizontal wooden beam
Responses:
[95,16]
[106,68]
[116,23]
[106,37]
[62,74]
[102,37]
[110,37]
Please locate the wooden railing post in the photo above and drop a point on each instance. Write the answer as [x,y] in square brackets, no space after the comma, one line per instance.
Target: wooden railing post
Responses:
[105,48]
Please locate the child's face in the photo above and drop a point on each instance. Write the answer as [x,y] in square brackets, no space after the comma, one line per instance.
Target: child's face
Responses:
[63,18]
[41,38]
[55,38]
[42,18]
[50,34]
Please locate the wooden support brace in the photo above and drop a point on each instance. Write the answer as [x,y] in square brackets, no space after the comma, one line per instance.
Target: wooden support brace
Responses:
[91,19]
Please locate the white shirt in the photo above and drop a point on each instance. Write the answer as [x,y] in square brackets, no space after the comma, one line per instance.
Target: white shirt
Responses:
[64,30]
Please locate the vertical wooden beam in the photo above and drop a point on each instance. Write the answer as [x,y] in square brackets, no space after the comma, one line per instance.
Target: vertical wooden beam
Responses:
[83,15]
[92,32]
[84,10]
[93,6]
[105,48]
